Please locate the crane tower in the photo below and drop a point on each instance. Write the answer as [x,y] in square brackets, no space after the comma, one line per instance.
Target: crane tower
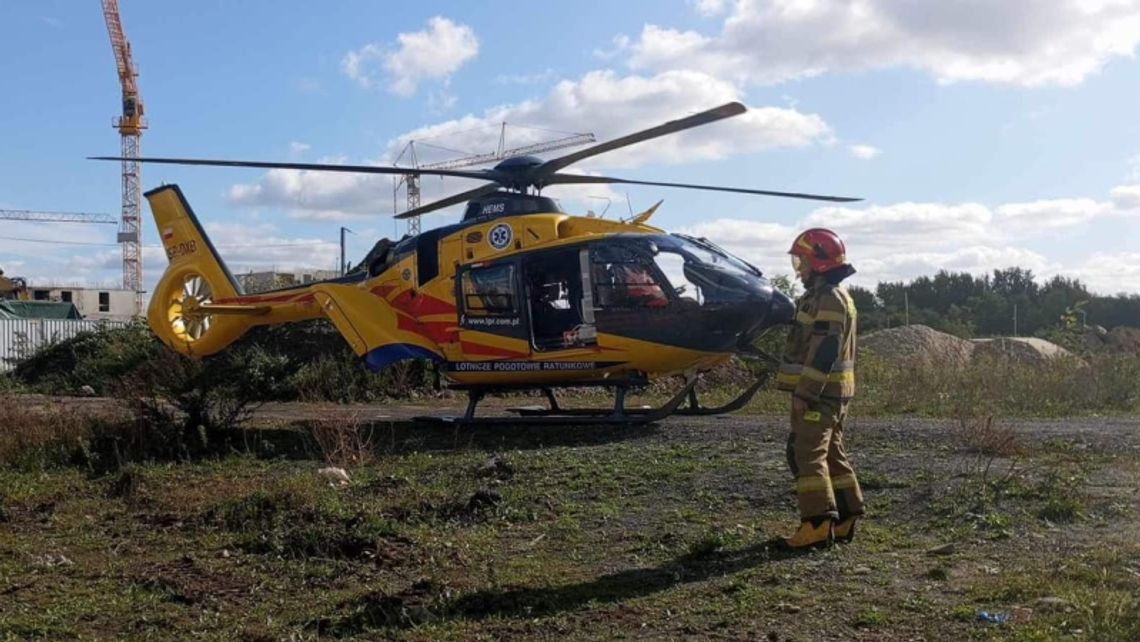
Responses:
[130,125]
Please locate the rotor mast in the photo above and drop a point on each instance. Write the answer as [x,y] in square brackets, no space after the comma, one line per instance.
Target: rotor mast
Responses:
[412,180]
[130,125]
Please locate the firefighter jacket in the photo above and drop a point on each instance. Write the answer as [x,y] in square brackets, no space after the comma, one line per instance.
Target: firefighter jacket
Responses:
[819,357]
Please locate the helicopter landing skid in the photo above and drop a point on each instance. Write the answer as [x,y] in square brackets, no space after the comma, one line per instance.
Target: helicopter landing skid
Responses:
[556,415]
[695,409]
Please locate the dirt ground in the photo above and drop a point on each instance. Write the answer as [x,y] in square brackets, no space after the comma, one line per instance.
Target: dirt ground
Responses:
[657,532]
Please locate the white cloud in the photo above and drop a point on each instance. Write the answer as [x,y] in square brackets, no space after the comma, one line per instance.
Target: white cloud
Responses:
[1064,212]
[708,7]
[435,53]
[601,101]
[756,239]
[906,225]
[261,246]
[864,152]
[296,149]
[902,241]
[526,79]
[976,259]
[1126,197]
[317,195]
[1020,42]
[1111,273]
[610,105]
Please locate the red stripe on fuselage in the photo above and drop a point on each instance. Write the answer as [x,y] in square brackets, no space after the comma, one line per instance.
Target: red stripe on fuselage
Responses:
[281,298]
[482,350]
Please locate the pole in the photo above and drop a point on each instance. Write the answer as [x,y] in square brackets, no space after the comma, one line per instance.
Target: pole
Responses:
[343,267]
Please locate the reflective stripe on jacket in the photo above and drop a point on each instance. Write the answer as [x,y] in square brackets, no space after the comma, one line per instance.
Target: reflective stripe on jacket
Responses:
[819,357]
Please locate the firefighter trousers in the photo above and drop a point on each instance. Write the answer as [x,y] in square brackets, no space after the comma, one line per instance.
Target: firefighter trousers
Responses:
[826,485]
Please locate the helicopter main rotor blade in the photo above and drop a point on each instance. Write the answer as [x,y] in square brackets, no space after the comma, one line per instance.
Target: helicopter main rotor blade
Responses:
[316,167]
[470,194]
[579,179]
[726,110]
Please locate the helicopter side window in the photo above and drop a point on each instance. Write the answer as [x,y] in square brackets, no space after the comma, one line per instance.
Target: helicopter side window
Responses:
[625,279]
[489,291]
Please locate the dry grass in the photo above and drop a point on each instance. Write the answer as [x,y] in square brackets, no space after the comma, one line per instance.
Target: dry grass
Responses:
[343,439]
[982,436]
[36,435]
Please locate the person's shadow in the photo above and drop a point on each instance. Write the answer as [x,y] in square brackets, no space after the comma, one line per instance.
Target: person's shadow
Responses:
[421,604]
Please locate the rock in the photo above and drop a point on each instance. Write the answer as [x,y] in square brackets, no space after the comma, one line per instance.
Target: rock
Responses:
[789,608]
[919,343]
[335,476]
[86,391]
[945,549]
[861,570]
[497,467]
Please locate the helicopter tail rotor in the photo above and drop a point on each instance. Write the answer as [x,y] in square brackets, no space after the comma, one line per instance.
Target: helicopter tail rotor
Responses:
[182,311]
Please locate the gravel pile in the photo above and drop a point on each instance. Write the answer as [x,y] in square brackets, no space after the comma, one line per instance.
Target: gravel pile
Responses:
[918,343]
[1123,339]
[1025,349]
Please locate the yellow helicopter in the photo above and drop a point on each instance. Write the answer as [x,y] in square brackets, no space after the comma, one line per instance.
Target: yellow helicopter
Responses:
[518,295]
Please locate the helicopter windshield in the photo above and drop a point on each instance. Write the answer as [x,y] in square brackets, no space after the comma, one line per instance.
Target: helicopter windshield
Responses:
[703,273]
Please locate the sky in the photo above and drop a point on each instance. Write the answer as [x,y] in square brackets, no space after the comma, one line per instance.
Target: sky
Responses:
[980,135]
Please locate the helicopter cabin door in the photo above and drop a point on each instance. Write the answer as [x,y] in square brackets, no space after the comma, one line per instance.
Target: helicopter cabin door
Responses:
[560,299]
[492,319]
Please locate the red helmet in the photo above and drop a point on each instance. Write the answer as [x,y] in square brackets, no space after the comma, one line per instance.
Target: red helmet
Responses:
[822,249]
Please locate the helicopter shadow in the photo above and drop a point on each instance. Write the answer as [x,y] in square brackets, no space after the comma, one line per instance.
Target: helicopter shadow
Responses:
[397,437]
[417,605]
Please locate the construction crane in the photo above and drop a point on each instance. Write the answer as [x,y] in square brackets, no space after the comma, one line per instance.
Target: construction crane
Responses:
[130,125]
[412,180]
[56,217]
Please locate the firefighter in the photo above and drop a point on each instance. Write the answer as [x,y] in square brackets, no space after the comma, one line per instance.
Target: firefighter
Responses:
[818,368]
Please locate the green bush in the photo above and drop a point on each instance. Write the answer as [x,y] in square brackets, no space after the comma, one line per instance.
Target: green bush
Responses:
[94,359]
[306,361]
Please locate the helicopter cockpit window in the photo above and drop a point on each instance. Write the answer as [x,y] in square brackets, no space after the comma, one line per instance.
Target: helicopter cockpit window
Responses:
[703,274]
[489,291]
[625,278]
[672,263]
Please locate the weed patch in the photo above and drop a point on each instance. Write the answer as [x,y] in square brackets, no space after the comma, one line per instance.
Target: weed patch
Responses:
[295,522]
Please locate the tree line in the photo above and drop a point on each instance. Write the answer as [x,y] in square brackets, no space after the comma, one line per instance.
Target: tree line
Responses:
[1007,302]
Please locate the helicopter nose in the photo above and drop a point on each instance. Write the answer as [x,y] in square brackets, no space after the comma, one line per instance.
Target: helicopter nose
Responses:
[781,309]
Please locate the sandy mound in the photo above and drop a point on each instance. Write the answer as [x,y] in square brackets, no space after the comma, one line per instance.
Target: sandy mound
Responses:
[920,343]
[1025,349]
